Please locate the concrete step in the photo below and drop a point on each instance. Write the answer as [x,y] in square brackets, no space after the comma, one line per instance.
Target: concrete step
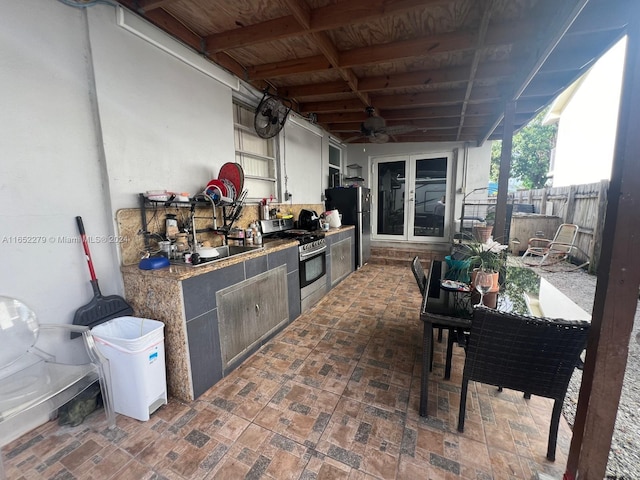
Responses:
[402,256]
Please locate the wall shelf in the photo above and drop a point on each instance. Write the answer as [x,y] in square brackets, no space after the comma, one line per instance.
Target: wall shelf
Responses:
[354,173]
[230,212]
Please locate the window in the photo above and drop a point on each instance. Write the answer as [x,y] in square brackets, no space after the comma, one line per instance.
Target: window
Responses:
[256,155]
[335,166]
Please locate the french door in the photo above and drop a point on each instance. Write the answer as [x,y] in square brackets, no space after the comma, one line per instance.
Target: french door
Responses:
[410,193]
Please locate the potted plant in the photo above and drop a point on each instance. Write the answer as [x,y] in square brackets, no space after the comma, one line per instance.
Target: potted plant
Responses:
[489,256]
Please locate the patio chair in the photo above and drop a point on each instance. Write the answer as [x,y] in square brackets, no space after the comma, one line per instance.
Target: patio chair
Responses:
[34,384]
[555,250]
[531,355]
[421,280]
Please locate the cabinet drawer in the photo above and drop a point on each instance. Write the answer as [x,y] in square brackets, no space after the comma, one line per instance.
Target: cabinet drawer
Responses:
[250,311]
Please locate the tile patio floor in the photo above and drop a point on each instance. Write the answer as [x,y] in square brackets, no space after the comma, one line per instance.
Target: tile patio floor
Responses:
[333,396]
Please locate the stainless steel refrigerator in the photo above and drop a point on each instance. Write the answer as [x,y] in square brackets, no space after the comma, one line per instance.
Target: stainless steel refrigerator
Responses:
[354,203]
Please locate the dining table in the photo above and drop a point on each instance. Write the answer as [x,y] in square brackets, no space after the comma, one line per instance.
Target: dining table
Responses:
[522,291]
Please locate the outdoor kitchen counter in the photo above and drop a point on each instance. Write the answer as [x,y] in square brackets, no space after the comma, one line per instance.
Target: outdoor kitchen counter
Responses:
[160,295]
[181,272]
[334,231]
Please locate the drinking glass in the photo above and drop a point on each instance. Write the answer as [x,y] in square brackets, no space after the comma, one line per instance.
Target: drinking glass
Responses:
[483,283]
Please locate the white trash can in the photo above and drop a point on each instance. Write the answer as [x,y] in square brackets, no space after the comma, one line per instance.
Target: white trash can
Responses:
[135,349]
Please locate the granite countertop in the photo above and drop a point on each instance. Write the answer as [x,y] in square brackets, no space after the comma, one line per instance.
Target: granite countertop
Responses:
[333,231]
[180,272]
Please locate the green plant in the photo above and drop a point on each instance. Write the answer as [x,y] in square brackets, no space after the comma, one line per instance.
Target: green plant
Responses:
[490,255]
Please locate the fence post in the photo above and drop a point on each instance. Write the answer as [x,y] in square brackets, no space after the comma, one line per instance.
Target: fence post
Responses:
[571,204]
[543,202]
[596,243]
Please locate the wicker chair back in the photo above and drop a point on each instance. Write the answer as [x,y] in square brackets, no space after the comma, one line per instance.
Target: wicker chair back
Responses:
[531,355]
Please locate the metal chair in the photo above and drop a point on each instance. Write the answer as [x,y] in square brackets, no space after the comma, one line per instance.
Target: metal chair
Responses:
[35,383]
[555,250]
[531,355]
[421,280]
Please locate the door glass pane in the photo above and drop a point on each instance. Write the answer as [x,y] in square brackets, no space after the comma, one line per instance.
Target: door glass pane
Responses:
[430,188]
[391,192]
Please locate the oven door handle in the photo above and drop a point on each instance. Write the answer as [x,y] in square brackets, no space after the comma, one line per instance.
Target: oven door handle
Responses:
[312,254]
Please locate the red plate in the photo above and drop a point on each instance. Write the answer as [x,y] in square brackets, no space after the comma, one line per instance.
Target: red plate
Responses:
[220,185]
[234,173]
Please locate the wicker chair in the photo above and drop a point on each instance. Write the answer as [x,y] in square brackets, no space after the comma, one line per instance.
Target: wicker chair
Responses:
[421,280]
[532,355]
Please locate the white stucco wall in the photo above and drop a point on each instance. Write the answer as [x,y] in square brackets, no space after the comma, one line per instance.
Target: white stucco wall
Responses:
[50,169]
[165,125]
[302,147]
[588,124]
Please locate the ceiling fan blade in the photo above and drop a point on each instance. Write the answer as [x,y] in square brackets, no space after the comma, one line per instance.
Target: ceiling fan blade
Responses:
[402,129]
[351,139]
[379,137]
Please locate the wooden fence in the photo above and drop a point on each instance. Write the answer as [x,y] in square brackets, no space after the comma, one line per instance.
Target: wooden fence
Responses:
[584,205]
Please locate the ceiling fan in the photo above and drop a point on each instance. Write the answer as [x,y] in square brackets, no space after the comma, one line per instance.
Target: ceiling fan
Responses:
[271,115]
[376,130]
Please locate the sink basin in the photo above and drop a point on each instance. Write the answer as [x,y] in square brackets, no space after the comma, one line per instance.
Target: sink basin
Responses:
[224,251]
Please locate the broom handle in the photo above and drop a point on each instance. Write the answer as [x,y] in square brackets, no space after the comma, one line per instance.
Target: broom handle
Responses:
[87,253]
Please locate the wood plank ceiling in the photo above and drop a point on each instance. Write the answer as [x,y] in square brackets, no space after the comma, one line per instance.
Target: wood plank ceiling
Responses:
[439,70]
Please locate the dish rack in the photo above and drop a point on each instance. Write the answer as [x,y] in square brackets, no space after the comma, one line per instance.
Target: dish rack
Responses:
[231,211]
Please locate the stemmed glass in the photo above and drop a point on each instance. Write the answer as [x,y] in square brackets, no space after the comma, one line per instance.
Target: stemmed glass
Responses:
[483,283]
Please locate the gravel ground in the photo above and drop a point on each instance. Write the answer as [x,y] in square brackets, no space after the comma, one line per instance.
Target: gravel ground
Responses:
[624,456]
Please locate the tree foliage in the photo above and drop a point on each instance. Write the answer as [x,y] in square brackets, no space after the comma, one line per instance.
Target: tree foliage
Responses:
[530,154]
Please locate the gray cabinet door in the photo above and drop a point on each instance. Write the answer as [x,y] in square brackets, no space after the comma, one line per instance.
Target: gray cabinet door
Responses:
[250,311]
[341,261]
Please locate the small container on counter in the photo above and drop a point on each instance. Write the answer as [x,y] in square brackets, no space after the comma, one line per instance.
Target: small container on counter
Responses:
[248,237]
[171,225]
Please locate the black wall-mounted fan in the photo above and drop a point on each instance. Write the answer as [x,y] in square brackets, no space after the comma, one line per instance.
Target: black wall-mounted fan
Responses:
[376,130]
[271,115]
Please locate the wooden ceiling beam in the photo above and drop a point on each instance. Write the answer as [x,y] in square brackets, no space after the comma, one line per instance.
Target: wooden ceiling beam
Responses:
[424,137]
[414,48]
[436,97]
[354,105]
[149,5]
[225,61]
[172,26]
[435,76]
[275,29]
[301,11]
[436,112]
[339,14]
[490,70]
[300,92]
[434,124]
[289,67]
[482,35]
[417,47]
[450,111]
[304,20]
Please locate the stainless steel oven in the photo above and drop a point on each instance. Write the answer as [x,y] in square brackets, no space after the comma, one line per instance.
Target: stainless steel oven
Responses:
[312,258]
[313,272]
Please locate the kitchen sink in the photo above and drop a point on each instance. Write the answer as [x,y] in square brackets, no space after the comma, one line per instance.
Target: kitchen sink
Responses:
[224,251]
